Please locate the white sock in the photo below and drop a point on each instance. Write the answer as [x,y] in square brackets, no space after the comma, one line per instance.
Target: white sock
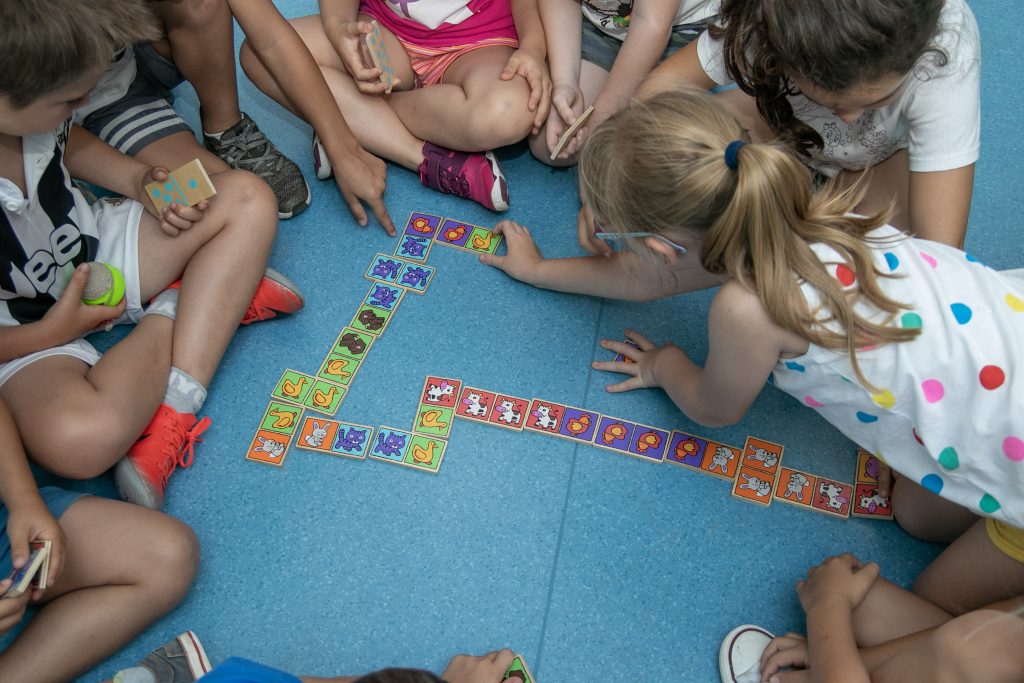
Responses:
[165,303]
[184,392]
[136,674]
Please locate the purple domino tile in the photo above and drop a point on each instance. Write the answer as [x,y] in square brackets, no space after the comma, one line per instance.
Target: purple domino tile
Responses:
[686,449]
[649,443]
[579,424]
[614,433]
[454,233]
[422,225]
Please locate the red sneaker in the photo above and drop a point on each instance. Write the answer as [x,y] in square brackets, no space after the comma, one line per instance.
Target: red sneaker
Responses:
[471,176]
[275,296]
[168,441]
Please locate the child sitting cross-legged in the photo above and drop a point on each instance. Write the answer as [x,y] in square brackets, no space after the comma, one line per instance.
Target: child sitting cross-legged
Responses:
[201,267]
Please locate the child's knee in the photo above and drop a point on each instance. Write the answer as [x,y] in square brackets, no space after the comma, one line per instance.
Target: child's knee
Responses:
[84,445]
[173,558]
[249,200]
[981,641]
[501,118]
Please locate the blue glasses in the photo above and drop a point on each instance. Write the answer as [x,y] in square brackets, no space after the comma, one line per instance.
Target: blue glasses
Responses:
[612,236]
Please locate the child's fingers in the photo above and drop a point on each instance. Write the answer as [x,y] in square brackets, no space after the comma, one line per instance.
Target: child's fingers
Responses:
[355,207]
[621,367]
[643,342]
[623,348]
[625,385]
[186,215]
[382,215]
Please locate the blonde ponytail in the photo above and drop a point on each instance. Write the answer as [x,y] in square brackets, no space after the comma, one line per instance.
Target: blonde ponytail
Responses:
[660,165]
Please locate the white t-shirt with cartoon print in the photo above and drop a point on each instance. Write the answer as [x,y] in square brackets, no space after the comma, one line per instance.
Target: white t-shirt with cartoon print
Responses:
[936,117]
[612,16]
[947,409]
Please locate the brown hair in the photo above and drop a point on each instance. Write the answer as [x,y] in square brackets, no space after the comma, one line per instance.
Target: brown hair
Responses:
[45,46]
[834,44]
[660,165]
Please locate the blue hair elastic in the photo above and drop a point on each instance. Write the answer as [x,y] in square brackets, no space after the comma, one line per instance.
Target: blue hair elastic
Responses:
[731,153]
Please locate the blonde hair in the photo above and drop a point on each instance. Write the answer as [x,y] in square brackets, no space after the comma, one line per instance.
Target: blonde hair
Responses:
[659,166]
[45,46]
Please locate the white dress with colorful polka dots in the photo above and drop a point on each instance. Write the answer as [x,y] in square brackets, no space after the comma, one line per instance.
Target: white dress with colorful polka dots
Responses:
[949,407]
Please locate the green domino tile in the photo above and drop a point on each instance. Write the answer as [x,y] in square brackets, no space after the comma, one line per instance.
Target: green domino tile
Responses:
[352,343]
[293,387]
[371,320]
[433,420]
[483,241]
[281,418]
[325,397]
[338,369]
[425,453]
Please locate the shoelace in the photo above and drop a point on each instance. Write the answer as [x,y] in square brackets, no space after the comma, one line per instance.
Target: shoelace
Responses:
[179,442]
[248,139]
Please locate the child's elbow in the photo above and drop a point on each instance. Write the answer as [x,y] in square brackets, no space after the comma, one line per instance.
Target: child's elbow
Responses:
[715,419]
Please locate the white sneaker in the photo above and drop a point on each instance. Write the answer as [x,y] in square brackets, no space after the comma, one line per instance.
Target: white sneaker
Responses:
[739,658]
[321,164]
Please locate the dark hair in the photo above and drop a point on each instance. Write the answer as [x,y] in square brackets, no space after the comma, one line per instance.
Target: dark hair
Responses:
[45,46]
[834,44]
[400,676]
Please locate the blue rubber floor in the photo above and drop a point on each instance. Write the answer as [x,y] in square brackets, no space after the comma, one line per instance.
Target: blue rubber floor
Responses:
[592,565]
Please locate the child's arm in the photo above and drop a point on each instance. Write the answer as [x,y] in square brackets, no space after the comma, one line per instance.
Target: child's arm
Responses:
[89,158]
[361,176]
[649,27]
[623,275]
[939,204]
[563,28]
[29,518]
[682,68]
[528,60]
[66,320]
[743,346]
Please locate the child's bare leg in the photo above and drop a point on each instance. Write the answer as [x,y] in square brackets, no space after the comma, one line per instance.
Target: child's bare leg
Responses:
[202,45]
[125,566]
[970,573]
[888,612]
[223,257]
[371,119]
[77,421]
[925,515]
[177,150]
[472,110]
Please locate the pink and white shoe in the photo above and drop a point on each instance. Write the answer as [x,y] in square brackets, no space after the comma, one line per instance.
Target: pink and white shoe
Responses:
[321,164]
[471,176]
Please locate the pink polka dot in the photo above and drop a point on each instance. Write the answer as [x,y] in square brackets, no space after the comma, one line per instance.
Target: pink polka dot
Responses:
[930,260]
[933,390]
[812,403]
[1013,447]
[991,377]
[845,275]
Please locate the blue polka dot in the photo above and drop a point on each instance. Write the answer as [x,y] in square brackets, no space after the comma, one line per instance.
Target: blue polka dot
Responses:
[970,258]
[933,483]
[169,187]
[962,313]
[156,192]
[793,365]
[193,184]
[891,259]
[866,418]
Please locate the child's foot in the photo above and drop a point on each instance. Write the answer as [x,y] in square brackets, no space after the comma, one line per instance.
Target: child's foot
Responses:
[739,657]
[244,146]
[472,176]
[275,296]
[180,661]
[321,164]
[166,442]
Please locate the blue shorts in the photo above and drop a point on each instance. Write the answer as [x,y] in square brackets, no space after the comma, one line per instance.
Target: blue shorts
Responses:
[238,670]
[601,49]
[57,500]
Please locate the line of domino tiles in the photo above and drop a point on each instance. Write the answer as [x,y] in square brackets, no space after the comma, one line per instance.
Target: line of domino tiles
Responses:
[755,471]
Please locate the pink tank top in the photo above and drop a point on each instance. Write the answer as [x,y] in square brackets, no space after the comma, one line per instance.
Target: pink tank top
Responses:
[443,23]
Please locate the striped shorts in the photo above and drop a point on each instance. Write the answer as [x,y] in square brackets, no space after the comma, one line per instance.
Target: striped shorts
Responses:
[430,63]
[144,115]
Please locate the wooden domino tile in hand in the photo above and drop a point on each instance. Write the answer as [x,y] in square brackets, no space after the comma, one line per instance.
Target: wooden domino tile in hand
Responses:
[381,58]
[187,185]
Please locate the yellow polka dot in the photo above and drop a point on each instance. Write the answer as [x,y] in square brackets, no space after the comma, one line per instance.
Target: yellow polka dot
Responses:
[1015,303]
[884,398]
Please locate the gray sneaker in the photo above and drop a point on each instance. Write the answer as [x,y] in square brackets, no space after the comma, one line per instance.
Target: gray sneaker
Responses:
[244,146]
[180,661]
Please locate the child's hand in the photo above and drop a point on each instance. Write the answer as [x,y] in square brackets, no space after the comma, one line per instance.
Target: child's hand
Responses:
[526,64]
[488,668]
[586,231]
[648,361]
[12,610]
[789,650]
[175,217]
[362,177]
[566,106]
[840,581]
[30,520]
[521,256]
[70,319]
[348,41]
